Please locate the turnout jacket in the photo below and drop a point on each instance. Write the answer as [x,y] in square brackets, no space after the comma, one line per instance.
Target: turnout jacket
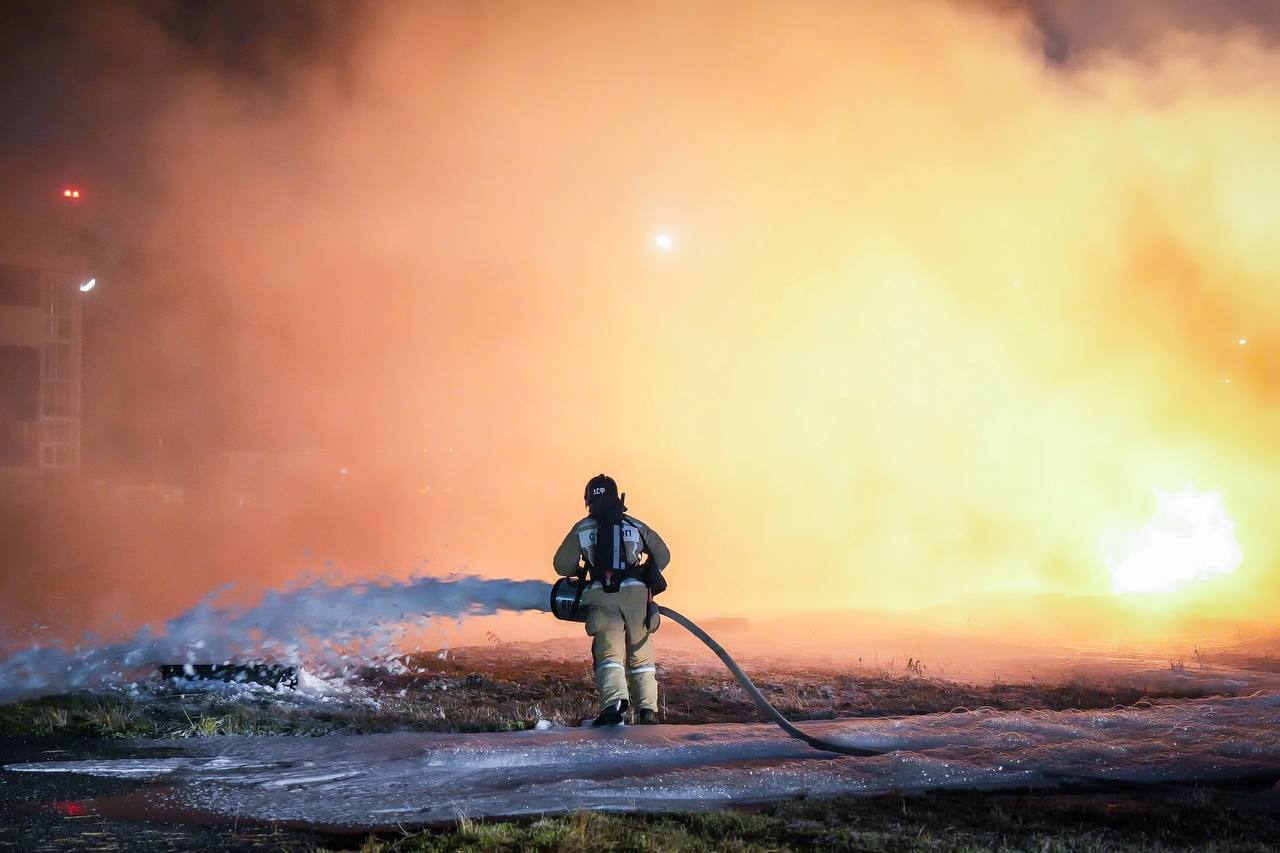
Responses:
[580,545]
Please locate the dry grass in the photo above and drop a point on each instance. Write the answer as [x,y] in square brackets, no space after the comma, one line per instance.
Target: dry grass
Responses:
[499,689]
[1192,820]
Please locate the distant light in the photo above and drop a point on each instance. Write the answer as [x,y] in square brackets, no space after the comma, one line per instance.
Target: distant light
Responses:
[89,285]
[1226,381]
[665,242]
[71,192]
[1242,341]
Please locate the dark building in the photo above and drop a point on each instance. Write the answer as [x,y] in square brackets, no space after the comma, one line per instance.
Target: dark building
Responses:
[40,352]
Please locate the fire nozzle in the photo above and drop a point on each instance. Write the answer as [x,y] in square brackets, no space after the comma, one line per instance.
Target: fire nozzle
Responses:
[566,599]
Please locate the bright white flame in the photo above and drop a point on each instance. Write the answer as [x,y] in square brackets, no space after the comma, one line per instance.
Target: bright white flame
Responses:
[665,242]
[88,285]
[1190,537]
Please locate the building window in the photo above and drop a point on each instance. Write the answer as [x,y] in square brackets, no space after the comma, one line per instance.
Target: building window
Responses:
[56,402]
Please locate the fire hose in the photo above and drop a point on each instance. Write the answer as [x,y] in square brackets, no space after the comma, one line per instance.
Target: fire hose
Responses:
[831,746]
[566,604]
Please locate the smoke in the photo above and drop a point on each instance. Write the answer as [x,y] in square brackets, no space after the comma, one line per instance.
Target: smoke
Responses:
[1141,28]
[955,290]
[332,630]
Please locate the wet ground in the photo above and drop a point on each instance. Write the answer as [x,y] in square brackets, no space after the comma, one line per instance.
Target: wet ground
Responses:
[60,812]
[459,743]
[54,812]
[377,782]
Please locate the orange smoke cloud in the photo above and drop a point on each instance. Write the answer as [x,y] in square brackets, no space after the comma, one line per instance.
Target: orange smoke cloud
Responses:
[938,313]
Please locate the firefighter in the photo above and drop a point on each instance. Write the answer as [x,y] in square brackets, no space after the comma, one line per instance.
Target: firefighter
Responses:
[621,560]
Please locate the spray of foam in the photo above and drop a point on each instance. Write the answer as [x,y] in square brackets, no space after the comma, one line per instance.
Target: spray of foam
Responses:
[329,628]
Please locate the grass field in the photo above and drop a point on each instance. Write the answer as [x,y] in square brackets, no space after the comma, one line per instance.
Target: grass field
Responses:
[494,689]
[1168,820]
[486,689]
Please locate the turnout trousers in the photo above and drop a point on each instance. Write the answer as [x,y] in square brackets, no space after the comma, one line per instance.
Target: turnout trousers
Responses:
[621,647]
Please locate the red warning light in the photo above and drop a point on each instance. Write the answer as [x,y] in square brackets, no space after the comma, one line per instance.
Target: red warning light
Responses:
[70,808]
[71,192]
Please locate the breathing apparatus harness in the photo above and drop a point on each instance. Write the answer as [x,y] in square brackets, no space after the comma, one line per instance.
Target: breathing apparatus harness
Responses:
[610,568]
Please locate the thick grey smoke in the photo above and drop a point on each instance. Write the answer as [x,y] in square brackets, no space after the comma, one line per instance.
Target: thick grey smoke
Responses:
[1074,29]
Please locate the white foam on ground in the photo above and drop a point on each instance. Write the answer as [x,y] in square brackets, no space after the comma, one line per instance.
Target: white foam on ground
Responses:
[405,778]
[331,629]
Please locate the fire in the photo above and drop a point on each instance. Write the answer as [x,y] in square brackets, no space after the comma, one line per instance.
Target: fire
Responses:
[1191,537]
[875,298]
